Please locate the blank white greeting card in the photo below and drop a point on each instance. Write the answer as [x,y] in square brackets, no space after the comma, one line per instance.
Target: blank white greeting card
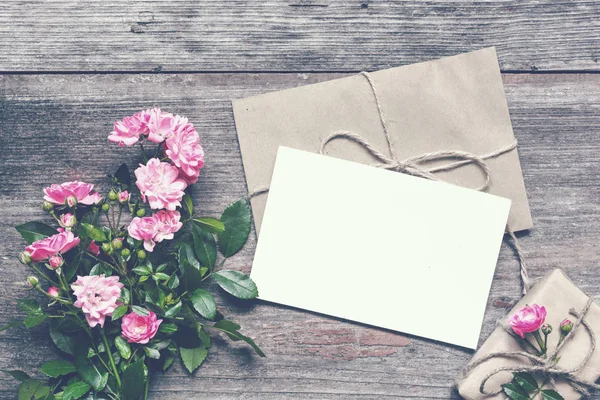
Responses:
[378,247]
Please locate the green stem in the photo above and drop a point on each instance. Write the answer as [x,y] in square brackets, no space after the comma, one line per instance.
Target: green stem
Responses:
[46,277]
[540,342]
[146,388]
[110,358]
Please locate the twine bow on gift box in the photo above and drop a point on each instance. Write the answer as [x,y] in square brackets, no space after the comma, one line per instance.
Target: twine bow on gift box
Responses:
[545,366]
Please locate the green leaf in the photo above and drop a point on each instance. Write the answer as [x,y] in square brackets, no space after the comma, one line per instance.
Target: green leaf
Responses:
[231,329]
[61,340]
[123,176]
[119,312]
[152,353]
[186,253]
[188,205]
[34,319]
[168,328]
[161,276]
[515,392]
[100,269]
[236,283]
[72,264]
[94,233]
[192,278]
[29,305]
[173,282]
[169,358]
[204,303]
[140,311]
[34,231]
[143,270]
[18,375]
[75,390]
[57,368]
[526,381]
[135,377]
[11,325]
[549,394]
[33,389]
[211,225]
[205,247]
[86,369]
[193,358]
[123,347]
[173,310]
[237,219]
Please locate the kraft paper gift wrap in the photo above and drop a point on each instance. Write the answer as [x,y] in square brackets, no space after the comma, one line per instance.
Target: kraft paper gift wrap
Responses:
[455,103]
[558,294]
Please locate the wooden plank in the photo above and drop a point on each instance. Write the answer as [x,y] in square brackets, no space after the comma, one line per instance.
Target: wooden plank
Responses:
[292,35]
[54,129]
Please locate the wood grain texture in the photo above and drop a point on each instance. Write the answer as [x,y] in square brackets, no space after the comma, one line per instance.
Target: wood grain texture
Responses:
[292,35]
[556,119]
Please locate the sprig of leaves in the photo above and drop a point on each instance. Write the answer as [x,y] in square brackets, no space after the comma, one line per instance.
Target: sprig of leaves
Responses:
[524,386]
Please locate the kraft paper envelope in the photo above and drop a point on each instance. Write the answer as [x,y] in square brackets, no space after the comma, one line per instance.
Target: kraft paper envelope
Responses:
[456,103]
[378,247]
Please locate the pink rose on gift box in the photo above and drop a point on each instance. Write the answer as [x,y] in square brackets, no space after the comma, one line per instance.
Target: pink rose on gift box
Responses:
[53,245]
[144,229]
[140,328]
[97,296]
[527,319]
[183,148]
[159,184]
[168,224]
[81,191]
[127,131]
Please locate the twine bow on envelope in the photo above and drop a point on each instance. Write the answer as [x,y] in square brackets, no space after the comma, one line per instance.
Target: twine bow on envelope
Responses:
[545,366]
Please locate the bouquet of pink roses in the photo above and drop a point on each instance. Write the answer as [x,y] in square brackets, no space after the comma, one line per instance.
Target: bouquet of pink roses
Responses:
[123,298]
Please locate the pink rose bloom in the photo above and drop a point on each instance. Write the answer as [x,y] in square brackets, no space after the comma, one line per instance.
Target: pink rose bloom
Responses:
[138,328]
[53,245]
[161,125]
[128,131]
[144,229]
[97,296]
[183,148]
[94,248]
[527,319]
[159,184]
[67,220]
[57,194]
[168,223]
[53,291]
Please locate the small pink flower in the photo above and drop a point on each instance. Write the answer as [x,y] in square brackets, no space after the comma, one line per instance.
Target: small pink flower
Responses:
[53,245]
[56,261]
[124,196]
[97,296]
[183,148]
[566,326]
[144,229]
[128,131]
[53,291]
[82,192]
[527,319]
[94,248]
[159,184]
[138,328]
[161,125]
[168,223]
[67,220]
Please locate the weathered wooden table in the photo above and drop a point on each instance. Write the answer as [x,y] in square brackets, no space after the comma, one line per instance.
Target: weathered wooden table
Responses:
[70,68]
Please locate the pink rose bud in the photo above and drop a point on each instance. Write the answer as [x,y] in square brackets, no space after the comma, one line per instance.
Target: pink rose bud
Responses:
[138,328]
[71,201]
[546,329]
[67,220]
[33,281]
[566,326]
[124,197]
[527,319]
[93,248]
[56,262]
[25,257]
[53,291]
